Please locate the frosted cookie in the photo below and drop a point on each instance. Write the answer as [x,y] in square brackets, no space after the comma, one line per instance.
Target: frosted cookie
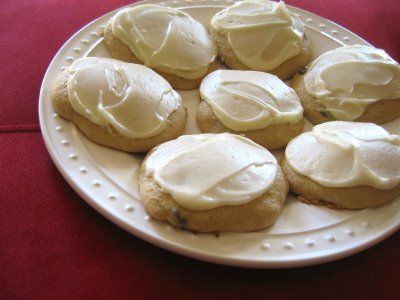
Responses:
[119,105]
[344,164]
[213,182]
[351,83]
[165,39]
[255,104]
[261,36]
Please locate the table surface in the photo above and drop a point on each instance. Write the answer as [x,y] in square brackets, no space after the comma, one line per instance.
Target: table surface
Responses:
[53,244]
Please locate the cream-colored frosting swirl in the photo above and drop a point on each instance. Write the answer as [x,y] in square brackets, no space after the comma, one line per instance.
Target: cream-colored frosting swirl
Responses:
[261,33]
[206,171]
[347,79]
[250,100]
[165,38]
[347,154]
[132,98]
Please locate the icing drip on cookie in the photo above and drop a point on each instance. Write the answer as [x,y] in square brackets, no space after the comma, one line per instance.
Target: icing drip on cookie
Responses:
[206,171]
[262,34]
[346,80]
[250,100]
[166,39]
[132,98]
[347,154]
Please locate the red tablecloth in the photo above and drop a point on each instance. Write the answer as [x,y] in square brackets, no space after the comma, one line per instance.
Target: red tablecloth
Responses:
[53,245]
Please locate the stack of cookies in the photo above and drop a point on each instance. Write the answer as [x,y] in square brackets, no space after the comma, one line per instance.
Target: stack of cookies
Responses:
[225,179]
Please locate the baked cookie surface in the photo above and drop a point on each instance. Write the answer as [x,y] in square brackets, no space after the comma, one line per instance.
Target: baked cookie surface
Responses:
[181,68]
[345,165]
[208,214]
[250,42]
[253,104]
[108,135]
[272,137]
[284,71]
[380,112]
[335,197]
[352,83]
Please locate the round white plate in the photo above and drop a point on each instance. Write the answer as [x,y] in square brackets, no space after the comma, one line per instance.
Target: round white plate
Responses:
[107,179]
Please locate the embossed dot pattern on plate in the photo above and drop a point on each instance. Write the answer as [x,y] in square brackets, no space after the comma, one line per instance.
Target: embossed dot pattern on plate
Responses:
[73,156]
[331,238]
[129,207]
[96,183]
[288,245]
[265,246]
[310,242]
